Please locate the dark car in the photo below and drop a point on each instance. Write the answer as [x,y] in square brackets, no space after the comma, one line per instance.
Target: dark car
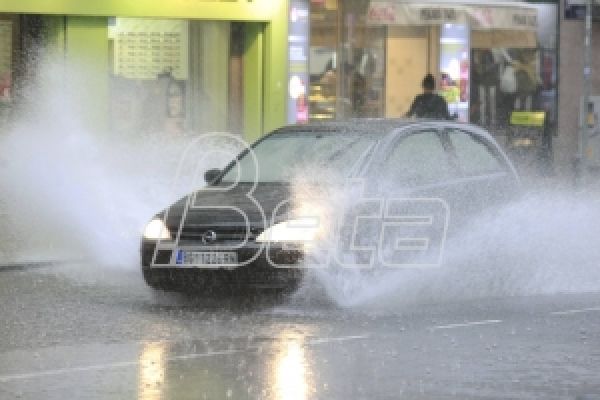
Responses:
[246,229]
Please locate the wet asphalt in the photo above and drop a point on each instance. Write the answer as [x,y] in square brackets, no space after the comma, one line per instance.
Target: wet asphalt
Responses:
[82,332]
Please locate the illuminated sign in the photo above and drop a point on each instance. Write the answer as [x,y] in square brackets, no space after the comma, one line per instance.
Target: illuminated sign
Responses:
[528,118]
[298,50]
[478,17]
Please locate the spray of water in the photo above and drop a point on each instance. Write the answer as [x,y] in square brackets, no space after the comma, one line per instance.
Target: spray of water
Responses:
[72,191]
[544,242]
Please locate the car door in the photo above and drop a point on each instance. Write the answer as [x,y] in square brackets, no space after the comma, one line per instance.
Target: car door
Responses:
[487,180]
[415,161]
[416,175]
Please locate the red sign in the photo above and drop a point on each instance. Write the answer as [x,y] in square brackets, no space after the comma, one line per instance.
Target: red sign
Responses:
[382,13]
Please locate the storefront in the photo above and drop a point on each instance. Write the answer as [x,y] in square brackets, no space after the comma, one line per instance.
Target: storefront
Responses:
[8,35]
[252,66]
[368,58]
[173,67]
[17,33]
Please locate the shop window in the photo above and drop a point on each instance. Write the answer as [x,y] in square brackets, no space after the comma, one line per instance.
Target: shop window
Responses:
[172,76]
[455,69]
[323,59]
[6,67]
[367,59]
[149,62]
[346,61]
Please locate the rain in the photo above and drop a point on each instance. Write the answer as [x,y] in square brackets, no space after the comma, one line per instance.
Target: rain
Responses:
[499,301]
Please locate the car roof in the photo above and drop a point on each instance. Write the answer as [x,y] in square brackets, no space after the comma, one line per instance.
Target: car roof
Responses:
[377,126]
[359,125]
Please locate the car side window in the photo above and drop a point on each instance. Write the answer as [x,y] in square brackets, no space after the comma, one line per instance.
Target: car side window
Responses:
[417,159]
[474,156]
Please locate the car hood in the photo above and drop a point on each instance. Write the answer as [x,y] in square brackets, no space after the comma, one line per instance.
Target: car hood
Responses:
[220,206]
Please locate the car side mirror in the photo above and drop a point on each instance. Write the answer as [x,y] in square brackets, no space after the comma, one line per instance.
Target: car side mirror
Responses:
[211,175]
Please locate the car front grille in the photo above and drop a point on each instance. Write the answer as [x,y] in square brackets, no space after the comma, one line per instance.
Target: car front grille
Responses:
[213,235]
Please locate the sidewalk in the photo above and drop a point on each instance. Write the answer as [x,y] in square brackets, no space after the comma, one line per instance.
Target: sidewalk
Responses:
[16,253]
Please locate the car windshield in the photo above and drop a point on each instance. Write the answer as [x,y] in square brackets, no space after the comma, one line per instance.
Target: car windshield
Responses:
[281,157]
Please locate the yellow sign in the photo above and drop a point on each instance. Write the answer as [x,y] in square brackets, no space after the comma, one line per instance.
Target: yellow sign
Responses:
[528,118]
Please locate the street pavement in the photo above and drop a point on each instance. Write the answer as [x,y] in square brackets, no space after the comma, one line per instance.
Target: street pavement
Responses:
[81,332]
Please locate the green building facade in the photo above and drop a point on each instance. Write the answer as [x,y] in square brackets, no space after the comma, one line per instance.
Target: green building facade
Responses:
[250,66]
[177,66]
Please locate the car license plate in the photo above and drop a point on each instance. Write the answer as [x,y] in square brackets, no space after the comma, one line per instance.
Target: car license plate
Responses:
[206,257]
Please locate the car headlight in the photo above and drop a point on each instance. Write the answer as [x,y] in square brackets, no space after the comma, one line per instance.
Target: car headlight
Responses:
[156,229]
[294,230]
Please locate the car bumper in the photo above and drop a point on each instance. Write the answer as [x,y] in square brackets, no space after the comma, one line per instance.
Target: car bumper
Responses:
[280,268]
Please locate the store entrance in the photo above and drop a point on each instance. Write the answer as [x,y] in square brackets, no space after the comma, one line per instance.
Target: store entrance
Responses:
[406,60]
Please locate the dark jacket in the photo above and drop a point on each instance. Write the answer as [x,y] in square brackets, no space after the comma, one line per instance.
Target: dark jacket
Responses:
[429,105]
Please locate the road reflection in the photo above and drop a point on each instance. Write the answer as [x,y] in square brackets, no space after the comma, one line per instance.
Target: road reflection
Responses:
[290,369]
[276,369]
[152,371]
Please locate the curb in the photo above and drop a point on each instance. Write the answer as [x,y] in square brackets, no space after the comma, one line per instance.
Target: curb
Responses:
[18,266]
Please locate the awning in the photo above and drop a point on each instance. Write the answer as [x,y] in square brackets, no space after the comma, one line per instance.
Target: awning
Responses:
[490,16]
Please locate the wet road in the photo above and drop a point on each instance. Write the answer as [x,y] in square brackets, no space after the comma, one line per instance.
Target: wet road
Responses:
[75,332]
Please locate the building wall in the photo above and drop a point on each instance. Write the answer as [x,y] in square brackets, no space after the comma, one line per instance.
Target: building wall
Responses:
[75,27]
[87,46]
[571,88]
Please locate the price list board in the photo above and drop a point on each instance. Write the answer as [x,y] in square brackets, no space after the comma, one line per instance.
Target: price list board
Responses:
[146,48]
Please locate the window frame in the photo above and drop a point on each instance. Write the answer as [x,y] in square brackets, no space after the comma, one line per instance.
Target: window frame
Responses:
[298,130]
[403,135]
[493,151]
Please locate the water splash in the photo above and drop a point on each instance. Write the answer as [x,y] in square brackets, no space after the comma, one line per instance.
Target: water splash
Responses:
[73,191]
[543,243]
